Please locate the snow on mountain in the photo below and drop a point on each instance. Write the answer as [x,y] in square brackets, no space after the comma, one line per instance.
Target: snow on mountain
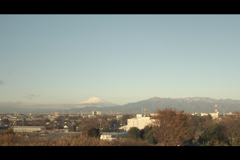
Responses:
[94,100]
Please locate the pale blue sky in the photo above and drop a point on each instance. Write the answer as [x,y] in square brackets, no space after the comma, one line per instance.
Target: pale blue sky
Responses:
[121,58]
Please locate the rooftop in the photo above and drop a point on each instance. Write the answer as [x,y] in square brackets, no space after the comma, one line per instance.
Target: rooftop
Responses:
[27,126]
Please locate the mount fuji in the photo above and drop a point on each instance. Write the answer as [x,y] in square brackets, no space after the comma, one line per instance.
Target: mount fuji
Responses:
[95,102]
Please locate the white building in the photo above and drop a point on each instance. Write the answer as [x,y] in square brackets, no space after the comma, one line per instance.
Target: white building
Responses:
[139,122]
[214,115]
[28,128]
[112,135]
[204,114]
[123,128]
[153,114]
[94,113]
[99,113]
[119,116]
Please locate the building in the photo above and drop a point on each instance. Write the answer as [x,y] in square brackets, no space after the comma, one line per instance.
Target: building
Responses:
[90,116]
[99,113]
[214,115]
[204,114]
[119,116]
[153,114]
[123,128]
[94,113]
[65,126]
[112,135]
[28,128]
[140,122]
[56,114]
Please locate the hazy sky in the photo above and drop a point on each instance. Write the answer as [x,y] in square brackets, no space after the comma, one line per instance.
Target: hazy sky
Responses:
[120,58]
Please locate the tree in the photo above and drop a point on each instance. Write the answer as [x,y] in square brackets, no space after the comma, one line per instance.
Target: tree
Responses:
[146,130]
[213,134]
[170,127]
[150,138]
[73,128]
[124,119]
[5,121]
[106,129]
[141,134]
[232,128]
[134,133]
[9,131]
[94,132]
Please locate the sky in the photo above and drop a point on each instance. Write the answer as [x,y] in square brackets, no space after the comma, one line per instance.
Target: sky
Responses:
[67,59]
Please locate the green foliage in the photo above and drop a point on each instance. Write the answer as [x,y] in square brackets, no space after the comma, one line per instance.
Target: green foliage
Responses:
[146,130]
[149,137]
[94,132]
[209,116]
[134,133]
[106,129]
[141,134]
[213,134]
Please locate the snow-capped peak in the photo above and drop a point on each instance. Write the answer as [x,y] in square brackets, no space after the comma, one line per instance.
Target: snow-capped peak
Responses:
[94,100]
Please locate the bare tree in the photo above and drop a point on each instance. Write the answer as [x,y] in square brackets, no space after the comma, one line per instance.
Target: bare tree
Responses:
[171,127]
[232,127]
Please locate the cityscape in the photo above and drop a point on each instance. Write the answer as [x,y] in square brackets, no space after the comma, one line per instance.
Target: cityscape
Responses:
[119,80]
[112,127]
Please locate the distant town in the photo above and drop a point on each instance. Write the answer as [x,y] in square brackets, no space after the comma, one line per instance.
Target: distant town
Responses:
[110,126]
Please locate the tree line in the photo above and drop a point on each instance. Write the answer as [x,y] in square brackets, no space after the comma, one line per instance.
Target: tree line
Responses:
[176,128]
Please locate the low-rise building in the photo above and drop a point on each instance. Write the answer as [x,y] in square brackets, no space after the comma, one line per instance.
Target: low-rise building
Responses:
[119,116]
[112,135]
[214,115]
[28,128]
[153,114]
[99,113]
[204,114]
[90,116]
[124,128]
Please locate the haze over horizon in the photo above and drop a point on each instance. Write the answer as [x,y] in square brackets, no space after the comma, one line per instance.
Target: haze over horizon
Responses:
[67,59]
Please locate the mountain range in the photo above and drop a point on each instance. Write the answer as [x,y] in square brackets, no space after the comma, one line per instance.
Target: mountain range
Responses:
[188,105]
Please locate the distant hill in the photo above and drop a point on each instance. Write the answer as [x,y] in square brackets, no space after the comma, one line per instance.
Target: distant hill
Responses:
[189,105]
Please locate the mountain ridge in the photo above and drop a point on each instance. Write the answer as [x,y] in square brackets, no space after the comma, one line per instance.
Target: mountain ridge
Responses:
[188,104]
